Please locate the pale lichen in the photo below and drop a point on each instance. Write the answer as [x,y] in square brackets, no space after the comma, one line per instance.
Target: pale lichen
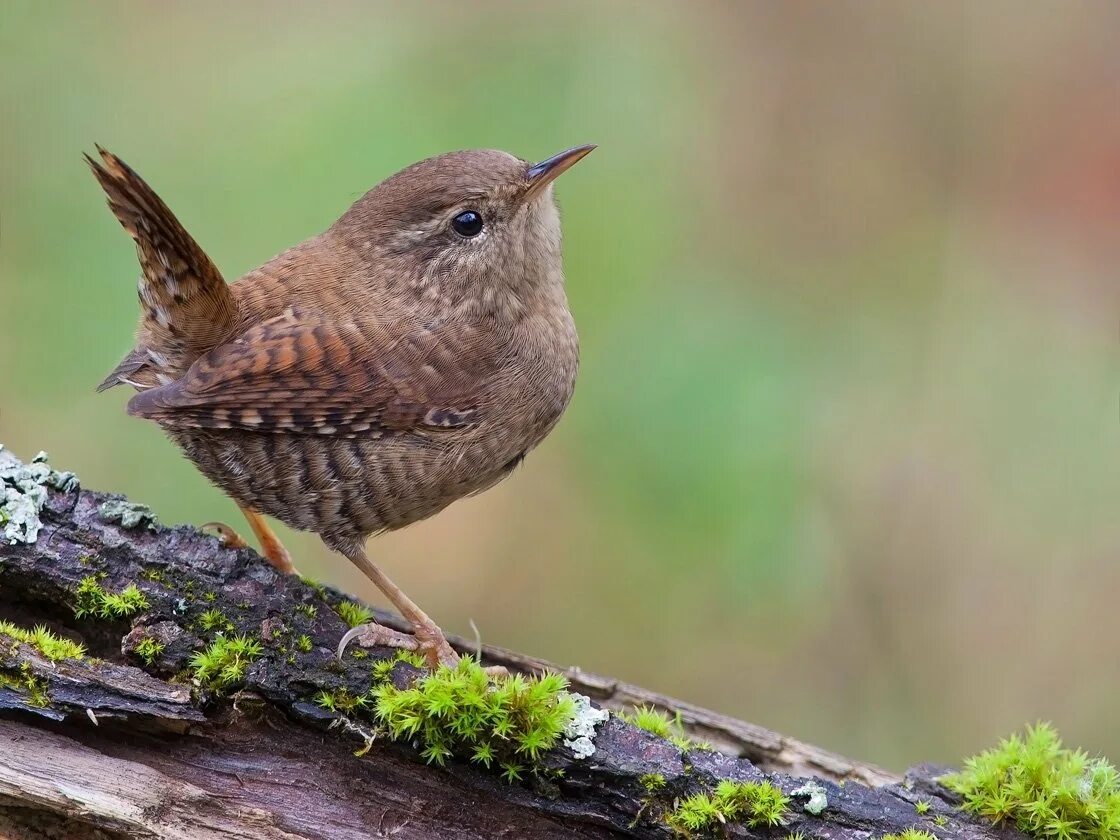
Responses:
[579,734]
[128,514]
[817,801]
[23,492]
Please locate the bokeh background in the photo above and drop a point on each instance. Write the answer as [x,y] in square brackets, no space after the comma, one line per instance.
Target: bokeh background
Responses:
[843,454]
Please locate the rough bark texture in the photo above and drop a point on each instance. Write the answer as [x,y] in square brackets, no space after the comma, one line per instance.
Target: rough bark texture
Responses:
[126,749]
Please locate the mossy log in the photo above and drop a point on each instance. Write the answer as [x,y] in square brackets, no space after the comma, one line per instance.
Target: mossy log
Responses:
[124,743]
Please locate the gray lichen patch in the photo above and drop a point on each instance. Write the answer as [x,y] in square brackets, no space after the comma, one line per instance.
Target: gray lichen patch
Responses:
[579,735]
[817,798]
[128,514]
[23,492]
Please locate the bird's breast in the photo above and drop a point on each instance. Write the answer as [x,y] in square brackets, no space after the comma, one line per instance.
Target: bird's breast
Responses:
[541,377]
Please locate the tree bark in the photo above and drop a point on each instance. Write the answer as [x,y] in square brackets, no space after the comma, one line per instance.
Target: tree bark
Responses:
[113,747]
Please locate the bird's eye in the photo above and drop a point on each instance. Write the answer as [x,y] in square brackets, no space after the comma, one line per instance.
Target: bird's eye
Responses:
[467,224]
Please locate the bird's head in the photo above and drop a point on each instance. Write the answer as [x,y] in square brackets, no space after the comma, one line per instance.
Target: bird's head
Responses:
[471,224]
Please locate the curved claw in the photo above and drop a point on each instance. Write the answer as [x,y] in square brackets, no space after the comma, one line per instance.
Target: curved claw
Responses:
[229,537]
[372,635]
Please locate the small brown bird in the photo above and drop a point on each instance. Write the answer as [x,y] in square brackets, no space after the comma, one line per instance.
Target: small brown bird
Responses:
[363,380]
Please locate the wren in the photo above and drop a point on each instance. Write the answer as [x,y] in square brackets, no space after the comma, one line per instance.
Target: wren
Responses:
[368,377]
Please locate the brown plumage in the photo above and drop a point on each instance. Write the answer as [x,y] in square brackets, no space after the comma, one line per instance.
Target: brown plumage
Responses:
[410,355]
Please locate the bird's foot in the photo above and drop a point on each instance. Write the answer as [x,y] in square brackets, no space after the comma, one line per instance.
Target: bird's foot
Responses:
[427,641]
[271,548]
[228,537]
[376,635]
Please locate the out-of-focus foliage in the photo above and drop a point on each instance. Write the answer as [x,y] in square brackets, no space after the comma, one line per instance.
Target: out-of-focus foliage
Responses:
[843,455]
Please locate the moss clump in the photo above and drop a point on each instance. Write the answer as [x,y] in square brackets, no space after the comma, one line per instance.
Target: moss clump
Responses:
[660,724]
[757,804]
[149,650]
[354,614]
[303,643]
[459,712]
[214,620]
[910,834]
[55,648]
[341,701]
[921,807]
[224,662]
[24,680]
[314,584]
[1043,788]
[95,601]
[652,782]
[309,610]
[382,668]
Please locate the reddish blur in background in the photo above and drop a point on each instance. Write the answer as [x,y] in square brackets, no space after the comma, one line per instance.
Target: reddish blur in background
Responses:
[843,455]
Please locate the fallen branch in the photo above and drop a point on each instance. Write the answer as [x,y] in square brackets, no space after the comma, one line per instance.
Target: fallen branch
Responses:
[128,741]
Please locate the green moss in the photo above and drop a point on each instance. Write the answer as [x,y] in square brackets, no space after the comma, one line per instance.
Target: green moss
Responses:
[212,620]
[354,614]
[303,643]
[383,667]
[459,712]
[922,807]
[24,680]
[660,724]
[309,610]
[910,834]
[55,648]
[941,821]
[652,782]
[1043,788]
[796,835]
[757,804]
[341,701]
[149,650]
[224,662]
[314,584]
[92,600]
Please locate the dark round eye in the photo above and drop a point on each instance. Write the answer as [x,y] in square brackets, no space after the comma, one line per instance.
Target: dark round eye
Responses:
[467,224]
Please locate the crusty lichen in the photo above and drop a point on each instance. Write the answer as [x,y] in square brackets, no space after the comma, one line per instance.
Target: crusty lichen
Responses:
[23,493]
[579,734]
[128,514]
[1043,788]
[817,799]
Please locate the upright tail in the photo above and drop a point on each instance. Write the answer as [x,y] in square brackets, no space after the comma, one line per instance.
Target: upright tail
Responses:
[186,306]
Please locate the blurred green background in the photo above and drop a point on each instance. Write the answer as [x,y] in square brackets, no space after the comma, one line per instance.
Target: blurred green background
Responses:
[842,459]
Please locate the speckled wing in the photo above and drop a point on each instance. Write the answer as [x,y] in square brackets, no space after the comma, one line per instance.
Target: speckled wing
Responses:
[187,308]
[307,375]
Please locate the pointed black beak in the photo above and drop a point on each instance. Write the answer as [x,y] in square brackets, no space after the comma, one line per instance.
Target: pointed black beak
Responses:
[540,175]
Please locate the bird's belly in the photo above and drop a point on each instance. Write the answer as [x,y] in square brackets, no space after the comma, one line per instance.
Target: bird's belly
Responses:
[344,488]
[347,488]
